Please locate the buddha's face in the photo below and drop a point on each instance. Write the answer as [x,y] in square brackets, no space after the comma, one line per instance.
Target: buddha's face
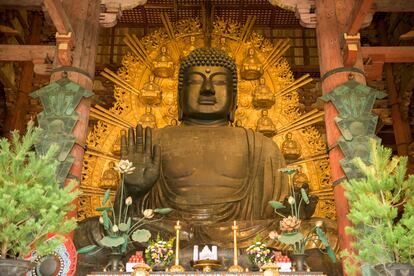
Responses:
[207,93]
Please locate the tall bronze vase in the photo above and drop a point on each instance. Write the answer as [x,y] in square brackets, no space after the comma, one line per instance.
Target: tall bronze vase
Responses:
[115,263]
[299,261]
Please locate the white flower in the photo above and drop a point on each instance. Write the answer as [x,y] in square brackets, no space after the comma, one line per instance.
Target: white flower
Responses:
[318,223]
[291,200]
[273,235]
[128,201]
[148,213]
[101,220]
[115,228]
[124,166]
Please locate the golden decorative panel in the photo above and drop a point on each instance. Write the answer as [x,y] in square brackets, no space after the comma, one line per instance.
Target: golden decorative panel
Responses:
[163,49]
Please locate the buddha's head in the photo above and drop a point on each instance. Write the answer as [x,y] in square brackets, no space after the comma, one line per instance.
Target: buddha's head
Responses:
[207,87]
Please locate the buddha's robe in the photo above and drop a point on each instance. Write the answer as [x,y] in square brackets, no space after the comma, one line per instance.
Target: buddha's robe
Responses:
[211,176]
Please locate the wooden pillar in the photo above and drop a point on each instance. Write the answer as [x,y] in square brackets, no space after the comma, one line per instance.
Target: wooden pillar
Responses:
[400,126]
[18,116]
[329,34]
[84,19]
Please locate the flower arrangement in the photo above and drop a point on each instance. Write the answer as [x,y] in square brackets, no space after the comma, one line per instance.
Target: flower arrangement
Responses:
[119,226]
[290,225]
[160,252]
[258,253]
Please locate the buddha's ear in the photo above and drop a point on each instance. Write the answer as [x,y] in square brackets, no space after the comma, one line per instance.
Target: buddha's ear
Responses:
[232,113]
[180,105]
[180,113]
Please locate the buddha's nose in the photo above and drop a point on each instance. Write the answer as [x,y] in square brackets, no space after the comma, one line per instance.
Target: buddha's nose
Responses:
[207,89]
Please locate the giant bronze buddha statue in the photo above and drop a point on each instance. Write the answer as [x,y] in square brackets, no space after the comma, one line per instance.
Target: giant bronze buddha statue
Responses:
[209,172]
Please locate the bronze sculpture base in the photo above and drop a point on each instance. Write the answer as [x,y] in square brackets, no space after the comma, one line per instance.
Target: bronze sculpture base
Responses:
[207,265]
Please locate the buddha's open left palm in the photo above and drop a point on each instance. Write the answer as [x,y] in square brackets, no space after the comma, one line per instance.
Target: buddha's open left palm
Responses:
[145,157]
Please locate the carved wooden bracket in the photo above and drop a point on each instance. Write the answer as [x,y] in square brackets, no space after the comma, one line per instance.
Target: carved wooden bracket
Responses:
[112,10]
[350,49]
[42,67]
[65,44]
[109,18]
[304,10]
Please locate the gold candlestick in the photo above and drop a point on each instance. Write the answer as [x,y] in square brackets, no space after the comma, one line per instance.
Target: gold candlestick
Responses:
[177,267]
[235,267]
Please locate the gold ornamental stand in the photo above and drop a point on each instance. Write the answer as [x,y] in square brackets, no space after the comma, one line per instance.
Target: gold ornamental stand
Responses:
[270,269]
[207,265]
[235,267]
[177,267]
[141,269]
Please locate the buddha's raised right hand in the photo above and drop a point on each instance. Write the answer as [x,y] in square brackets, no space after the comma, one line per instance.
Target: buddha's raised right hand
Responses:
[145,158]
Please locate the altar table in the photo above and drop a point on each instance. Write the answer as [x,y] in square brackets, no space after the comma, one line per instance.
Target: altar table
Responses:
[214,273]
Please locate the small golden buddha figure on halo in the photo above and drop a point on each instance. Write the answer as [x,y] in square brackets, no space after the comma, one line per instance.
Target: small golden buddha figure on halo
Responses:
[263,97]
[191,47]
[151,93]
[223,45]
[252,67]
[148,118]
[110,178]
[300,178]
[265,125]
[163,64]
[291,150]
[116,147]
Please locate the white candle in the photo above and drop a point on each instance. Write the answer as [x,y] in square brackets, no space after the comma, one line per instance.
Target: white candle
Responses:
[214,249]
[195,253]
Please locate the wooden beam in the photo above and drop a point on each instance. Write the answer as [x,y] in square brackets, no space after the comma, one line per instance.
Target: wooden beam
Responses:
[18,115]
[28,4]
[400,126]
[360,10]
[58,16]
[26,52]
[394,6]
[395,54]
[374,69]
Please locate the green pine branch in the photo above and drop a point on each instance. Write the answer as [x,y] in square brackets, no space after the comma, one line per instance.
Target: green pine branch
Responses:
[381,237]
[32,204]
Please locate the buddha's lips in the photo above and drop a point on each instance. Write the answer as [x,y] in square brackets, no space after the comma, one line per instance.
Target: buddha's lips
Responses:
[207,100]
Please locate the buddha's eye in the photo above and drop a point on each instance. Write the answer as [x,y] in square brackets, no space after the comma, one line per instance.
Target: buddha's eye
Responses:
[219,82]
[194,82]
